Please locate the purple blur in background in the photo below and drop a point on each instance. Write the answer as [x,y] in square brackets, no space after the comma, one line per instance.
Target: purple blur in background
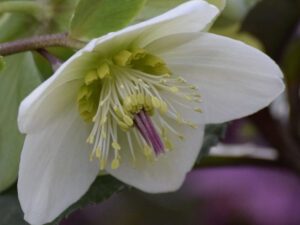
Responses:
[213,196]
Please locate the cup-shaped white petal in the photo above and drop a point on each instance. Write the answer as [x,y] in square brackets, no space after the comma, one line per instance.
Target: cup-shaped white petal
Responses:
[55,170]
[167,172]
[234,79]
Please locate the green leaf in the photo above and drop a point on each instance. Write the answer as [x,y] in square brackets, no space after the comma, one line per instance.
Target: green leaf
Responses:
[156,7]
[2,63]
[10,210]
[13,26]
[94,18]
[62,12]
[213,134]
[218,3]
[102,188]
[18,79]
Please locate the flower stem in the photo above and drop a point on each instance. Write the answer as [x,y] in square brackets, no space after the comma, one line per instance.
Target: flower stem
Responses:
[53,60]
[38,42]
[28,7]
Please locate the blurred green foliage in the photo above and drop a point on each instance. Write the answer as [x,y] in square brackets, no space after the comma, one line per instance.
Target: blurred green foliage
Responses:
[10,210]
[17,80]
[2,63]
[94,18]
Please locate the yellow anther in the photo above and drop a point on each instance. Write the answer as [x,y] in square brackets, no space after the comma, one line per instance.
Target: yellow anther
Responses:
[181,137]
[147,150]
[90,139]
[123,125]
[198,110]
[197,100]
[84,91]
[155,102]
[162,81]
[115,164]
[86,116]
[151,60]
[134,100]
[179,118]
[90,77]
[123,58]
[174,89]
[192,125]
[163,107]
[128,120]
[118,112]
[140,99]
[168,144]
[103,120]
[115,145]
[161,70]
[193,87]
[180,79]
[103,70]
[91,156]
[103,134]
[137,53]
[102,103]
[102,164]
[98,153]
[127,101]
[187,97]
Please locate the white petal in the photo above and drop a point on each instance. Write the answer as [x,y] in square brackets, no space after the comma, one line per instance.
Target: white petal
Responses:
[234,79]
[55,170]
[51,97]
[169,171]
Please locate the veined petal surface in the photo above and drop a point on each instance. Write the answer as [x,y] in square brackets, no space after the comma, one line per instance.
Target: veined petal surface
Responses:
[55,170]
[234,79]
[166,173]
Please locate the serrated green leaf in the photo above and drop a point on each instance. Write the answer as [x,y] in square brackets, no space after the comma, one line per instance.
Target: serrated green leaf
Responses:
[18,78]
[94,18]
[2,63]
[102,188]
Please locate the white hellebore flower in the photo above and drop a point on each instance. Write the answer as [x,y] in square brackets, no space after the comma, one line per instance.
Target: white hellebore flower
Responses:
[134,103]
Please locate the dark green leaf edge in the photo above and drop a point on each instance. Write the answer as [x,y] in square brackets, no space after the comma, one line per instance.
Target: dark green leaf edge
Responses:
[102,188]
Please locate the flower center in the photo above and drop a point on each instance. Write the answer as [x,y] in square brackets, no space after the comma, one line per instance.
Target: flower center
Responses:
[129,98]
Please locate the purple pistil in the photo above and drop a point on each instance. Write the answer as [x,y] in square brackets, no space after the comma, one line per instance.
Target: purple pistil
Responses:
[145,126]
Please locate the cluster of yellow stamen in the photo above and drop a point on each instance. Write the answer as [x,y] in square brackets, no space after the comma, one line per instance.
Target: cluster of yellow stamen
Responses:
[120,87]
